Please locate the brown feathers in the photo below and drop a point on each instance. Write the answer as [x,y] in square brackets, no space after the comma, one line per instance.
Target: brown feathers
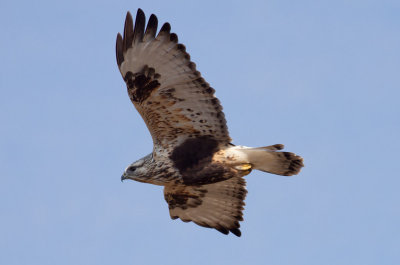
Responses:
[218,205]
[163,97]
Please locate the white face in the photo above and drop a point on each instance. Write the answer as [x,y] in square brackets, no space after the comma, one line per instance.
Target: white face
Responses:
[135,168]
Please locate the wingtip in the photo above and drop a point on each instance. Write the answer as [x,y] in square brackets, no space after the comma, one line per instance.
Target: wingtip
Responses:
[173,37]
[153,17]
[151,28]
[165,28]
[128,16]
[119,49]
[236,232]
[222,230]
[225,231]
[140,14]
[128,32]
[140,23]
[140,11]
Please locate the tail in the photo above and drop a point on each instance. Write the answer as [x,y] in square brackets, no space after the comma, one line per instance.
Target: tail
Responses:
[268,160]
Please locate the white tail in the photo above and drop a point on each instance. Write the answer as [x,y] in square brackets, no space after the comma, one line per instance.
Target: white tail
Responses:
[269,160]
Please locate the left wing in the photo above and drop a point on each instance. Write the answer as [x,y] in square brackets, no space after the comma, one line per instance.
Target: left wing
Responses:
[175,102]
[218,205]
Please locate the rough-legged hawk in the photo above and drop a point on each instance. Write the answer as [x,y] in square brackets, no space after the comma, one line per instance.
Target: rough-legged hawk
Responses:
[193,157]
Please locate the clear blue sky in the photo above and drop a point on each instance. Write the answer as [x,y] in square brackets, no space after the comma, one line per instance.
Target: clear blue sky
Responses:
[321,77]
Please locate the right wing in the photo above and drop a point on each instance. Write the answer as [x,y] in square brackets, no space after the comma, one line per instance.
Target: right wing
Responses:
[218,205]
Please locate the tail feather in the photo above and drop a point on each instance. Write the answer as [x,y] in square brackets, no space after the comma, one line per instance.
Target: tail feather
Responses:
[274,147]
[268,160]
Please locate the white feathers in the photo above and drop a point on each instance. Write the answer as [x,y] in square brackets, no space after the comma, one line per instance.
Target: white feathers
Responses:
[268,160]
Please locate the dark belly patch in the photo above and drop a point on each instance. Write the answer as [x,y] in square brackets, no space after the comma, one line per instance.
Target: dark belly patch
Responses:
[193,159]
[194,151]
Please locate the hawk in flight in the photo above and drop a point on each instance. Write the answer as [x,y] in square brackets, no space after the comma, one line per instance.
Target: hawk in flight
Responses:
[193,156]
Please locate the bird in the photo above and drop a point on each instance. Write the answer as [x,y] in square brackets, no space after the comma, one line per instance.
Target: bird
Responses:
[193,156]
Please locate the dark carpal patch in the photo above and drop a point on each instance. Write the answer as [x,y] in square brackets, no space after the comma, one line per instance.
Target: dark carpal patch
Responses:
[184,199]
[194,151]
[141,85]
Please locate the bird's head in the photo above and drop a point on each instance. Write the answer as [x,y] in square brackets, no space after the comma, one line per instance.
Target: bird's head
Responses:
[138,170]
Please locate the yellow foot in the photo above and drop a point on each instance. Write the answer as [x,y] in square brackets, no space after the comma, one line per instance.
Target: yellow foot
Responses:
[244,167]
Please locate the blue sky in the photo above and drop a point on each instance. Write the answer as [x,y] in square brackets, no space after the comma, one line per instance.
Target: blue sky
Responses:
[321,77]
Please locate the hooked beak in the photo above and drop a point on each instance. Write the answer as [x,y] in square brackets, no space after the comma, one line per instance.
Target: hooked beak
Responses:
[123,177]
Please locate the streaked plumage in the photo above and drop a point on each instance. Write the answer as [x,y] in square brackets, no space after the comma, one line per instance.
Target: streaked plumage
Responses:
[193,156]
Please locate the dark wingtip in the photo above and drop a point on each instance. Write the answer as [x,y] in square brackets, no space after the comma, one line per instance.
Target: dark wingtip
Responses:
[165,28]
[140,23]
[236,232]
[173,37]
[223,230]
[278,146]
[152,25]
[128,32]
[181,47]
[153,19]
[119,50]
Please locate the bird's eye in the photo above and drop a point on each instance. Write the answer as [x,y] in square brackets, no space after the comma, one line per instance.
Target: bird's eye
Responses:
[131,168]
